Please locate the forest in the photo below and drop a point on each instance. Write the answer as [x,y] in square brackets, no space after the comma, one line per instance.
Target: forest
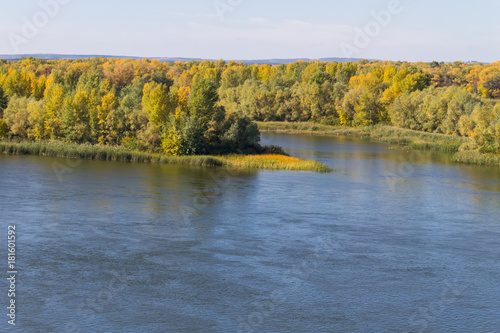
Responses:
[207,107]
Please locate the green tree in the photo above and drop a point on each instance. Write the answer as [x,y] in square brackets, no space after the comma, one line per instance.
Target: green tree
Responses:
[193,141]
[405,109]
[16,116]
[203,100]
[4,101]
[76,117]
[36,120]
[4,128]
[242,137]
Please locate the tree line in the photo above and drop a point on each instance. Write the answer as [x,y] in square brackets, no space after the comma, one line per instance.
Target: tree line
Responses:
[209,107]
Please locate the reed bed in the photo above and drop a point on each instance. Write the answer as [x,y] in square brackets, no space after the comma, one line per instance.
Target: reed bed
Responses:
[475,157]
[270,161]
[275,162]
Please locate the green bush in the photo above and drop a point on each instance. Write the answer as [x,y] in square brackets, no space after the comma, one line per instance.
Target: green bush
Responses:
[243,136]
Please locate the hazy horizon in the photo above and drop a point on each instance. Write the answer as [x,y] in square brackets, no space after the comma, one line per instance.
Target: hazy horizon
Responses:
[220,29]
[126,56]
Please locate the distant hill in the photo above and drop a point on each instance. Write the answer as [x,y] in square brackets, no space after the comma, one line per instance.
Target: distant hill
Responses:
[59,56]
[289,61]
[167,59]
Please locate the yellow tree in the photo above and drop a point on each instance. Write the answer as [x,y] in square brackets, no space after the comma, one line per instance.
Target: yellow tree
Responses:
[38,86]
[181,96]
[50,81]
[489,83]
[309,71]
[185,79]
[404,82]
[472,79]
[389,73]
[264,73]
[36,119]
[17,83]
[54,100]
[77,118]
[157,103]
[107,130]
[485,118]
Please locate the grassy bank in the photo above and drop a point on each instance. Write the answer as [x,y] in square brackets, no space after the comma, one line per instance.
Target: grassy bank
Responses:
[109,153]
[393,136]
[475,157]
[379,133]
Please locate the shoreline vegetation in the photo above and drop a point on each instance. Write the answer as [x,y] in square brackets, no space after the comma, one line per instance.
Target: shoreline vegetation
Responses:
[209,109]
[266,161]
[458,146]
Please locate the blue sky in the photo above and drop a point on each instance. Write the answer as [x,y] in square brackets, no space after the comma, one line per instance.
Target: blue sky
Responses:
[420,30]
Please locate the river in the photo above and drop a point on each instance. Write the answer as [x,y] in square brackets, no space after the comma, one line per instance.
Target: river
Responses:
[391,241]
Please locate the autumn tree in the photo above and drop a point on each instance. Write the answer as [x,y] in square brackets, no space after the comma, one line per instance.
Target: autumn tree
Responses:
[157,103]
[53,100]
[36,118]
[489,83]
[76,117]
[16,116]
[38,85]
[121,75]
[108,123]
[17,83]
[205,106]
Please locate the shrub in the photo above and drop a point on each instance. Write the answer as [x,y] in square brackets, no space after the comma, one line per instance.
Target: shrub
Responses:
[242,136]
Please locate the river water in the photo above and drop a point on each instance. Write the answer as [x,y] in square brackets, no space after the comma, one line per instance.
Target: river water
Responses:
[391,241]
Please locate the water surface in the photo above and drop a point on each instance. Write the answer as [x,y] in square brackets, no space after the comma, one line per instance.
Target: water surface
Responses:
[392,241]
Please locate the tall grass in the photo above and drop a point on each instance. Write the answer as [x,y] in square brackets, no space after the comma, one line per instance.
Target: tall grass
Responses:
[309,128]
[417,140]
[272,161]
[475,157]
[275,162]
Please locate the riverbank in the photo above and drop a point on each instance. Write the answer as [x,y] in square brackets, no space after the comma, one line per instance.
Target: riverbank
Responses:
[116,153]
[475,157]
[392,136]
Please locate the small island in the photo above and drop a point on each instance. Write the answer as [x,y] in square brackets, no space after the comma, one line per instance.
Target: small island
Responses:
[128,111]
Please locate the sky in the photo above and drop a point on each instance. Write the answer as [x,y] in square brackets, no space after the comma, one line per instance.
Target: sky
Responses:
[408,30]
